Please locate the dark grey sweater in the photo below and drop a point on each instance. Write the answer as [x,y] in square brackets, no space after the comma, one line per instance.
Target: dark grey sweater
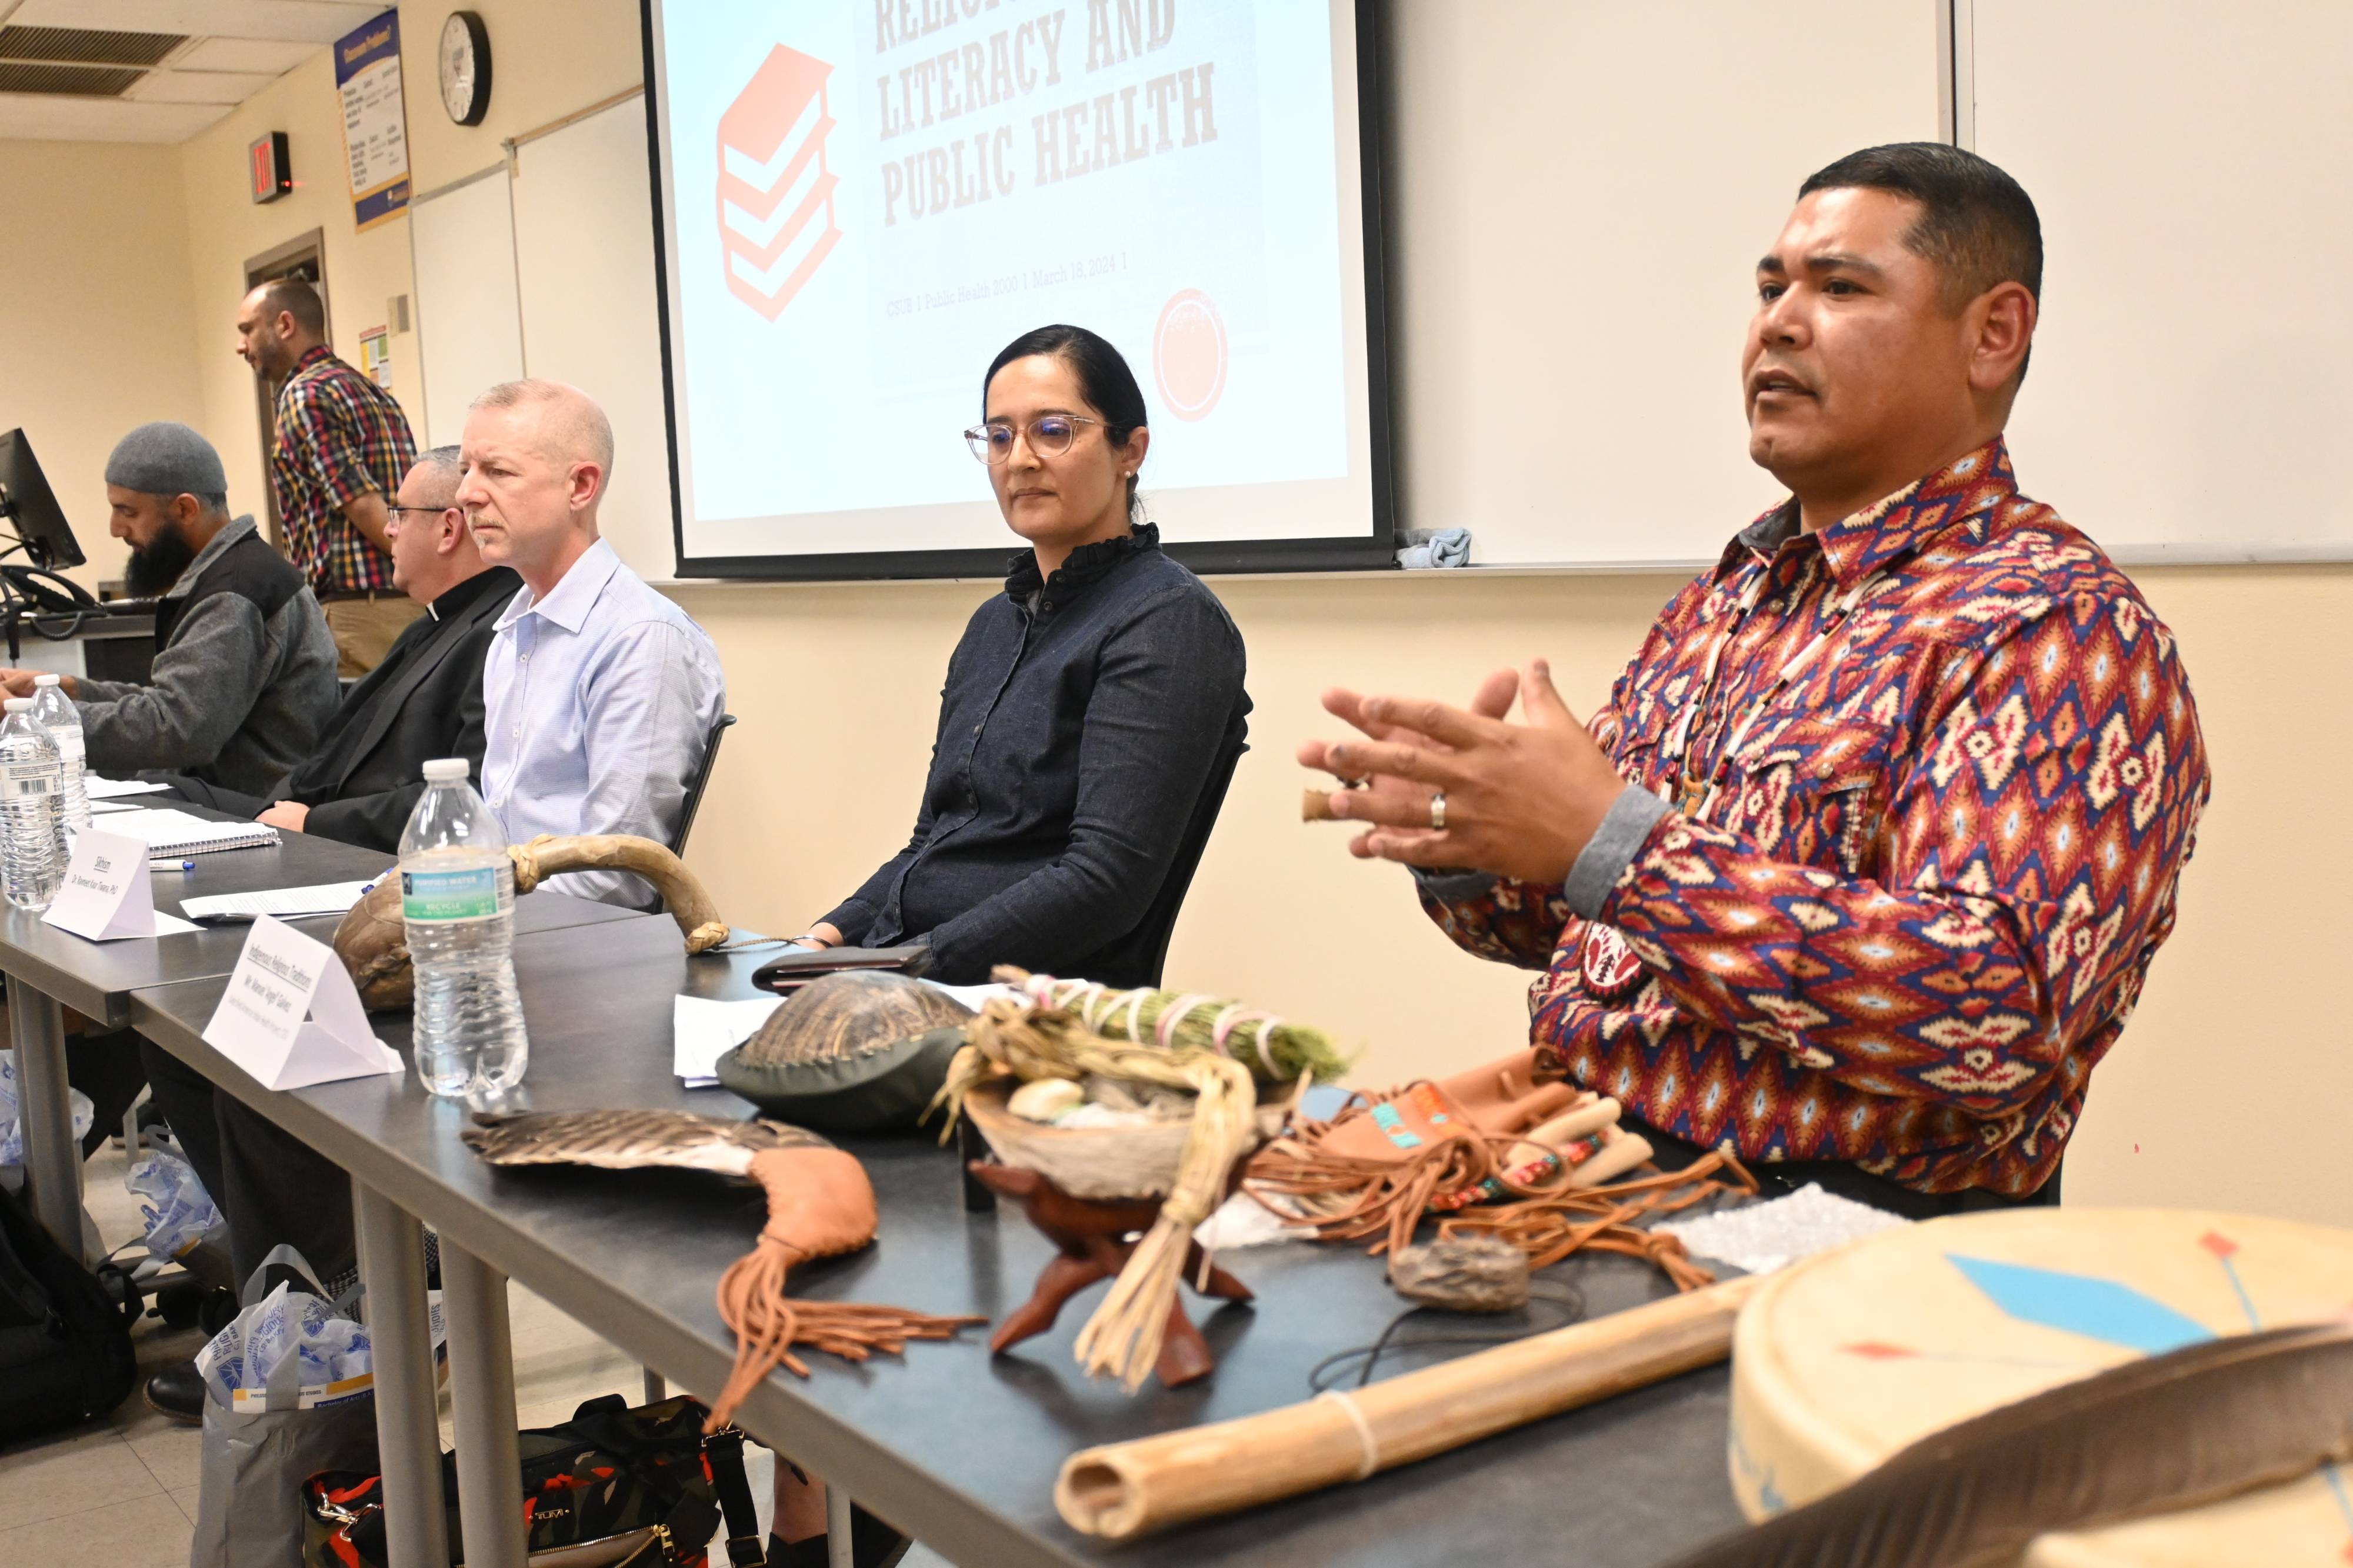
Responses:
[244,678]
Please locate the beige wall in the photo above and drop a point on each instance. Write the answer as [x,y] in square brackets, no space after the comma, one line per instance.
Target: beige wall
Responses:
[227,229]
[556,57]
[94,302]
[1565,338]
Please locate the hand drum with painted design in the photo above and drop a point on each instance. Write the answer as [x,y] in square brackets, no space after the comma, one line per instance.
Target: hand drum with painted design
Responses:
[1846,1359]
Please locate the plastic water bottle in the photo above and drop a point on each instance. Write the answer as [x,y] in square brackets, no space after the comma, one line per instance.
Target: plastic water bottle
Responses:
[28,798]
[457,900]
[55,712]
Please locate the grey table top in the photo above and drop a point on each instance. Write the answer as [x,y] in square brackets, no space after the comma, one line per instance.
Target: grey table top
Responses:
[96,978]
[956,1447]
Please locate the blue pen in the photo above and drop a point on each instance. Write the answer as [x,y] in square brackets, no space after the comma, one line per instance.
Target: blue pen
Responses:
[173,865]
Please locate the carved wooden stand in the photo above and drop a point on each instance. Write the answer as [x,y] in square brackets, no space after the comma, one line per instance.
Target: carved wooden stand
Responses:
[1089,1239]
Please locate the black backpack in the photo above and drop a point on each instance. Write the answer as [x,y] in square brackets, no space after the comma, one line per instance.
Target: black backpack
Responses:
[65,1339]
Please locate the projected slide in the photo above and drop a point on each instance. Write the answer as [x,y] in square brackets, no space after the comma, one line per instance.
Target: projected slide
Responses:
[865,199]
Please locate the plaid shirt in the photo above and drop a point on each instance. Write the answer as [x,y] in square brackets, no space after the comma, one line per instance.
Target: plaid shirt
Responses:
[339,436]
[1924,892]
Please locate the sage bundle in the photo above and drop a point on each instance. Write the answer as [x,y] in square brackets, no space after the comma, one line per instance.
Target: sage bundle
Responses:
[1025,1042]
[1275,1050]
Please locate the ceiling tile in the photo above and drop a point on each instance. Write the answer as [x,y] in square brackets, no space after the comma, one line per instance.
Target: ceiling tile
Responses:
[197,87]
[289,21]
[249,55]
[24,118]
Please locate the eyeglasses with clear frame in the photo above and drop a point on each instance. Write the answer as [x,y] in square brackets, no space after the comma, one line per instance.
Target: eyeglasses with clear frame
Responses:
[1050,436]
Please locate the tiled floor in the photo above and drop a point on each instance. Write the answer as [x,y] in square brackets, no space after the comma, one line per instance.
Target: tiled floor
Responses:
[122,1492]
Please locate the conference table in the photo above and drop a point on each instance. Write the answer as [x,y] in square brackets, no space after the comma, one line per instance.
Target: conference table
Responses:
[50,969]
[958,1447]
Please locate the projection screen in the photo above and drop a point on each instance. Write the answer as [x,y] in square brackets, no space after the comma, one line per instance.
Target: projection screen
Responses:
[859,202]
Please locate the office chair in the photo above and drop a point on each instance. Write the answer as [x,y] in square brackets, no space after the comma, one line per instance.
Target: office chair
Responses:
[695,787]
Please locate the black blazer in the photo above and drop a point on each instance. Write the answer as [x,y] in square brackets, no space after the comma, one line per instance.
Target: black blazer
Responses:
[425,700]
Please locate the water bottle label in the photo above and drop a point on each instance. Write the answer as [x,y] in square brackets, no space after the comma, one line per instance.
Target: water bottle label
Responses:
[29,778]
[469,895]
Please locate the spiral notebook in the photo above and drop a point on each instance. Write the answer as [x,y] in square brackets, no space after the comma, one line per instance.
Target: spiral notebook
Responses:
[169,832]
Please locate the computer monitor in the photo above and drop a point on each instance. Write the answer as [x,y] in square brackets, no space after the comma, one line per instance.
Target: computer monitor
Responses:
[31,507]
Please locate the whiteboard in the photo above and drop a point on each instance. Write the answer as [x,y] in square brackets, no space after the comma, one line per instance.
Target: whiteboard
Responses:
[1579,195]
[544,265]
[469,328]
[584,246]
[2190,164]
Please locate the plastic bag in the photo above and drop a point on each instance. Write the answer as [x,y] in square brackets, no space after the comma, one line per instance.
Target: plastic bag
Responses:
[326,1348]
[288,1392]
[180,1214]
[11,1133]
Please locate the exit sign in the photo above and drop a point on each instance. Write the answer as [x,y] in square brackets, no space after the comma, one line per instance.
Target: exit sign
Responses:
[272,174]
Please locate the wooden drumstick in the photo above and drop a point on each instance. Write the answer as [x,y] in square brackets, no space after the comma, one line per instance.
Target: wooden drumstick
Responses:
[1126,1489]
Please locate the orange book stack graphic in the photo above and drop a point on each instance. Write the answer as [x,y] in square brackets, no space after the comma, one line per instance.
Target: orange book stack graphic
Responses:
[775,198]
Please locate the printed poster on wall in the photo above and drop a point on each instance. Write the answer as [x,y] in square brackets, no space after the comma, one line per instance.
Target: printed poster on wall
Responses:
[375,125]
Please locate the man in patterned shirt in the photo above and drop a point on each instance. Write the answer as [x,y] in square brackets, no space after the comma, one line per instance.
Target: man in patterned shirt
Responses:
[1859,872]
[343,446]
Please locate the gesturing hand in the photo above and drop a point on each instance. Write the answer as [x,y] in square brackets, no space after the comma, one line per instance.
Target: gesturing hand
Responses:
[1522,800]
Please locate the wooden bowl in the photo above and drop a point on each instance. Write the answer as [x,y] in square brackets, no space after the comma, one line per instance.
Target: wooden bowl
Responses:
[1093,1162]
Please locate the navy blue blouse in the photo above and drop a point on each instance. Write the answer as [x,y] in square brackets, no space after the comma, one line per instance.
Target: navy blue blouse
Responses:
[1085,722]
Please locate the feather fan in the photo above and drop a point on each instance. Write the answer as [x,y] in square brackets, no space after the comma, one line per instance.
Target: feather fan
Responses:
[819,1203]
[2192,1427]
[631,1139]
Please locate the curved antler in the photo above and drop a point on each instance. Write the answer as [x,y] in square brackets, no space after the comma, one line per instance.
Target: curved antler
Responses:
[372,940]
[682,893]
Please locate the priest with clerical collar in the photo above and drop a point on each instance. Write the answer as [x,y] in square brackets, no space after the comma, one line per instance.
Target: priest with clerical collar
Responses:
[1861,869]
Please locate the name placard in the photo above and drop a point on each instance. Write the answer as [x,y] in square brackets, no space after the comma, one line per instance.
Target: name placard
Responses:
[107,892]
[291,1016]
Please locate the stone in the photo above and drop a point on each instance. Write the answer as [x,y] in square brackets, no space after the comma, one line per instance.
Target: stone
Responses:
[1476,1274]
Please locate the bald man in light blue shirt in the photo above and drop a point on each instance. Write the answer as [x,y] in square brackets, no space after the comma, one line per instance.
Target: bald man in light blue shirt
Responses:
[600,693]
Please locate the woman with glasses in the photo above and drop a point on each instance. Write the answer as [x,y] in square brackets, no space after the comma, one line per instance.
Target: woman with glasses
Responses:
[1091,719]
[1092,713]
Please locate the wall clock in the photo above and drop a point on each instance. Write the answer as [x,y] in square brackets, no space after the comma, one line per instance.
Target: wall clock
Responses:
[464,60]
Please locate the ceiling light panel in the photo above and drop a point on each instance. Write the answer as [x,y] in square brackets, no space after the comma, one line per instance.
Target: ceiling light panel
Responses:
[252,55]
[51,118]
[197,87]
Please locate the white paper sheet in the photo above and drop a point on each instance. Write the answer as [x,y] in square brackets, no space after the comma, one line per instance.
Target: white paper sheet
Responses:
[973,996]
[170,832]
[703,1031]
[321,899]
[107,789]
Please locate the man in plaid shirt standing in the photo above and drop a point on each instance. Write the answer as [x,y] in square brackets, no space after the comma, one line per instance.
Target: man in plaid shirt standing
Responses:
[343,446]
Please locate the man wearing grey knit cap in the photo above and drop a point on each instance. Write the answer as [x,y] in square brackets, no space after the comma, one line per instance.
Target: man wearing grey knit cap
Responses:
[244,678]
